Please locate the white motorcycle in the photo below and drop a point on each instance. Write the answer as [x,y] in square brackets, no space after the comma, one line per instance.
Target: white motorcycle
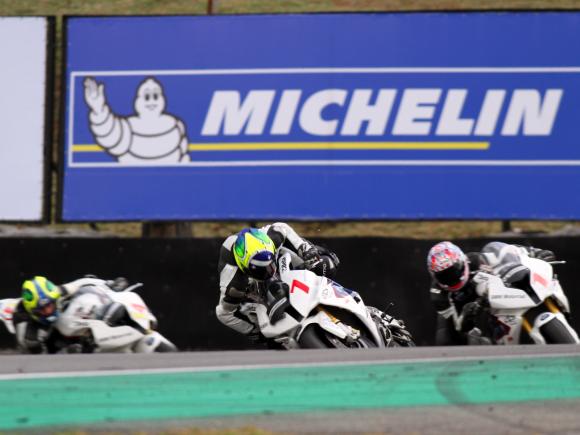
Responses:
[80,327]
[132,331]
[534,307]
[324,314]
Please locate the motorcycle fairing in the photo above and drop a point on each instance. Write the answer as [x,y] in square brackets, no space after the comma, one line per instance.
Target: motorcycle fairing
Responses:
[544,283]
[136,308]
[308,291]
[7,307]
[500,296]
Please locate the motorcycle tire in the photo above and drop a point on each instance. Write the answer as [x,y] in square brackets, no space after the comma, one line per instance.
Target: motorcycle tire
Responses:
[555,332]
[410,343]
[164,347]
[314,337]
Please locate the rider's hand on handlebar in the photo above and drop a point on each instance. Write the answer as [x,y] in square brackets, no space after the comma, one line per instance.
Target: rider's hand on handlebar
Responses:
[541,254]
[471,310]
[544,254]
[310,255]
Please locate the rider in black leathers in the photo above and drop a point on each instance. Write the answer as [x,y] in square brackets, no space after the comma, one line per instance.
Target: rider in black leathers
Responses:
[453,291]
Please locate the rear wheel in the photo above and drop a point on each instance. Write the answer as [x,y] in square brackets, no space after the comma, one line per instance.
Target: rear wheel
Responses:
[314,337]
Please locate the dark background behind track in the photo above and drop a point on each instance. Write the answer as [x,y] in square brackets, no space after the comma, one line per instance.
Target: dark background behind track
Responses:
[181,282]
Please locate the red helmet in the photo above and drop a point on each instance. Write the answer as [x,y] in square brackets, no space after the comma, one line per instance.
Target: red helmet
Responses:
[448,266]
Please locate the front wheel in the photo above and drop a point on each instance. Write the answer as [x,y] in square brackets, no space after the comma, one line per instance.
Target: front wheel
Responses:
[314,337]
[165,346]
[555,332]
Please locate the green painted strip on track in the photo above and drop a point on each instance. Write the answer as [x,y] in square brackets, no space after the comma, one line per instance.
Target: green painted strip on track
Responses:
[29,403]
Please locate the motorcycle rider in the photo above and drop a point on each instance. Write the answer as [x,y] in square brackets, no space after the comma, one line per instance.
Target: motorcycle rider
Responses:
[41,305]
[247,267]
[453,292]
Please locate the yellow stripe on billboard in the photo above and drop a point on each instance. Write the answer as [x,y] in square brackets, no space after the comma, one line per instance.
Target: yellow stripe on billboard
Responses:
[320,146]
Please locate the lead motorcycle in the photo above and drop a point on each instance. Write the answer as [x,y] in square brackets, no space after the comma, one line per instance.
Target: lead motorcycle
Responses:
[324,314]
[532,307]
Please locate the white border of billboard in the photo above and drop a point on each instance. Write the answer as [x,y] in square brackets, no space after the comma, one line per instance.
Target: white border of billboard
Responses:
[22,117]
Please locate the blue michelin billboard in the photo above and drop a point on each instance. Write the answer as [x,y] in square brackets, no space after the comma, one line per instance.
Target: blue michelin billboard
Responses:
[341,116]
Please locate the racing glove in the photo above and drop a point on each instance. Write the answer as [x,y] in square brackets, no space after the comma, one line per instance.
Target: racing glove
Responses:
[310,255]
[118,284]
[469,314]
[324,267]
[277,300]
[542,254]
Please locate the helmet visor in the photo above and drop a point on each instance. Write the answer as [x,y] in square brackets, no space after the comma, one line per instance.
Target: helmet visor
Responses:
[46,310]
[453,276]
[262,273]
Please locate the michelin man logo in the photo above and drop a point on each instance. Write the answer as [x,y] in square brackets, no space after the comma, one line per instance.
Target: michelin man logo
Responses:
[150,137]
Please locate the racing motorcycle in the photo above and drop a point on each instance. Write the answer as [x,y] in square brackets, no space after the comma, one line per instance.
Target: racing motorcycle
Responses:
[130,329]
[324,314]
[533,307]
[81,327]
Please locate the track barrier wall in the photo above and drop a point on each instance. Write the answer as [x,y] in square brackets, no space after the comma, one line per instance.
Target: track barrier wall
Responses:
[181,282]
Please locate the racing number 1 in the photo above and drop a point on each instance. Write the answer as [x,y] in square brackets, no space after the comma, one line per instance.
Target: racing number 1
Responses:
[299,285]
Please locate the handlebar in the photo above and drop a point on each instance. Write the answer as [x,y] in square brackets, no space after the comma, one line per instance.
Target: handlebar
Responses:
[132,287]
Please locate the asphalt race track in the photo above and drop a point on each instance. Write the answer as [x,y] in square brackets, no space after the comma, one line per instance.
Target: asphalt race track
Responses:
[515,390]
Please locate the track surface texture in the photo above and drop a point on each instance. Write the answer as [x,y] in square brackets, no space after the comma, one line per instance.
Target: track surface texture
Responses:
[436,390]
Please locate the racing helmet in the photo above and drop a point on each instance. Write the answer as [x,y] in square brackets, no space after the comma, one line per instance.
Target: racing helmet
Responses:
[254,253]
[448,266]
[39,297]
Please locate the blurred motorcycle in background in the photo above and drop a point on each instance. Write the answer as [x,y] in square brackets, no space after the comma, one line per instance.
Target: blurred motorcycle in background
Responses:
[98,318]
[529,305]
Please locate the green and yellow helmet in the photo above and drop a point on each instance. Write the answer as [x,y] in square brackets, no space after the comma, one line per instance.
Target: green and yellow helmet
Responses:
[39,297]
[255,252]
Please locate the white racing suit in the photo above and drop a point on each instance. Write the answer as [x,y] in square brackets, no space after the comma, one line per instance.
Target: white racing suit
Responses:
[236,288]
[35,337]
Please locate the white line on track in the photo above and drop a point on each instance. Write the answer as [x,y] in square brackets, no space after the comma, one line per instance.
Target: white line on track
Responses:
[281,365]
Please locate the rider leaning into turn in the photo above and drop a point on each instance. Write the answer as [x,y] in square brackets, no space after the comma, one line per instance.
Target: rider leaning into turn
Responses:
[40,307]
[453,291]
[247,265]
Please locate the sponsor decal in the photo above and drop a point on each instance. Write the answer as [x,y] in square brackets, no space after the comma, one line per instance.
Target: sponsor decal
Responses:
[537,278]
[80,324]
[507,296]
[283,264]
[149,136]
[139,307]
[115,337]
[367,112]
